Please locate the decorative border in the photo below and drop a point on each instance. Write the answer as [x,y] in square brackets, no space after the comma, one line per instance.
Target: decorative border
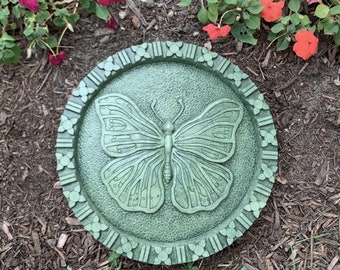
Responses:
[92,83]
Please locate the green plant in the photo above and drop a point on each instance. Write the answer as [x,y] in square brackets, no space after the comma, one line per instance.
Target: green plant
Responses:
[43,24]
[295,25]
[242,15]
[329,21]
[114,259]
[283,31]
[190,266]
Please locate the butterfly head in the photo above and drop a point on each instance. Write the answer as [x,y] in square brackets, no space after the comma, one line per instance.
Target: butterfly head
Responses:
[168,127]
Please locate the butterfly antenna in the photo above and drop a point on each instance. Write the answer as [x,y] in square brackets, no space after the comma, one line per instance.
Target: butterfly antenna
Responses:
[153,105]
[180,101]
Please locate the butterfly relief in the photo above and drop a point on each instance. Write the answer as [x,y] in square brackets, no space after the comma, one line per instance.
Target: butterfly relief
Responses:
[146,157]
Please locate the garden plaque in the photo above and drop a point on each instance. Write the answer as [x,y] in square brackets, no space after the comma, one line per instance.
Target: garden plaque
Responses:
[166,152]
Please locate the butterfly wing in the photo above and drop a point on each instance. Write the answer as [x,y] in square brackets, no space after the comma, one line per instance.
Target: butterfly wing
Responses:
[134,177]
[198,185]
[211,135]
[125,129]
[135,182]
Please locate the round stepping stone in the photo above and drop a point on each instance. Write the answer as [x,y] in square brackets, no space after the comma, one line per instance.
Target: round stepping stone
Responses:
[166,152]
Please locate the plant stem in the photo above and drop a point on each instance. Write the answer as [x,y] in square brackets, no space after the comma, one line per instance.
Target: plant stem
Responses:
[270,44]
[60,38]
[228,11]
[64,30]
[48,46]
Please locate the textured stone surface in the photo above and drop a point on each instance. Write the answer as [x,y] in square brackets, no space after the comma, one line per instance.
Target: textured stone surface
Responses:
[166,152]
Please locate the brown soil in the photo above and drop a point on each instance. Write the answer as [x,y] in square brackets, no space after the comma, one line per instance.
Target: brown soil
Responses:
[298,229]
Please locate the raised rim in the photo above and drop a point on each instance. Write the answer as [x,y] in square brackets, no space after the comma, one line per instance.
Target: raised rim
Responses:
[66,141]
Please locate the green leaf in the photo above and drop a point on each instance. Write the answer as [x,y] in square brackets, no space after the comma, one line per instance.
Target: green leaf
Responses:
[6,37]
[85,3]
[72,18]
[245,15]
[4,16]
[59,21]
[230,18]
[42,16]
[213,12]
[185,3]
[242,33]
[61,12]
[212,1]
[28,31]
[52,42]
[285,20]
[9,44]
[231,2]
[305,20]
[334,10]
[291,28]
[294,5]
[336,38]
[202,15]
[8,53]
[5,11]
[255,7]
[295,18]
[4,2]
[271,36]
[254,22]
[13,26]
[16,11]
[331,29]
[14,59]
[277,28]
[43,5]
[325,23]
[102,12]
[114,258]
[39,32]
[282,43]
[321,11]
[242,3]
[92,8]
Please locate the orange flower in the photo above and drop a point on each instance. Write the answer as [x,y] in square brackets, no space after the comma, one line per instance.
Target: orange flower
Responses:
[306,44]
[271,11]
[215,32]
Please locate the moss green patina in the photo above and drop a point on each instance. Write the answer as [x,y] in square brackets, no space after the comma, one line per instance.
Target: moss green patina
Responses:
[166,152]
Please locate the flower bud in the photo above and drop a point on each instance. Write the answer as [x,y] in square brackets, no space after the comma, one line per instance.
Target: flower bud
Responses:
[238,17]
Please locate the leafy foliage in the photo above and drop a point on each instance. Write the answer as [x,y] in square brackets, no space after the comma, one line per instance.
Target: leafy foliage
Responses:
[114,259]
[244,17]
[190,266]
[35,22]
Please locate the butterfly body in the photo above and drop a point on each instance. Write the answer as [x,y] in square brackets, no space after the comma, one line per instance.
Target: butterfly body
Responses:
[146,156]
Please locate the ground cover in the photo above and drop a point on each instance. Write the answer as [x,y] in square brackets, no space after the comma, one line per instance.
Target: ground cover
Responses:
[298,229]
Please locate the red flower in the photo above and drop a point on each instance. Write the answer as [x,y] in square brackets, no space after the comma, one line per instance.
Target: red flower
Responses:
[31,5]
[271,11]
[215,32]
[309,2]
[108,2]
[111,23]
[306,44]
[57,59]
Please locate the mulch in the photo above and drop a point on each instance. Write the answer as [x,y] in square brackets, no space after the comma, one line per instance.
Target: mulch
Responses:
[298,229]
